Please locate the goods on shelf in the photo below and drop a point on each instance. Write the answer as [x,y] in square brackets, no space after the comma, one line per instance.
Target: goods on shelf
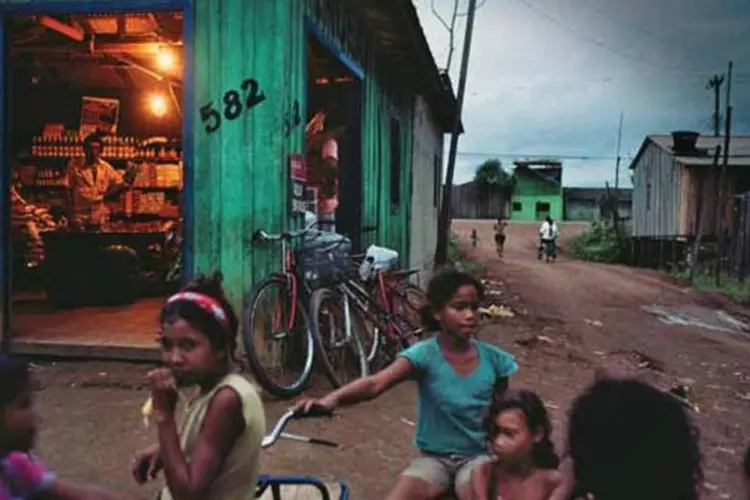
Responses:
[114,147]
[153,175]
[29,221]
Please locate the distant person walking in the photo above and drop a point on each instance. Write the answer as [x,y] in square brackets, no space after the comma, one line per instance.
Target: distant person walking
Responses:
[548,234]
[501,227]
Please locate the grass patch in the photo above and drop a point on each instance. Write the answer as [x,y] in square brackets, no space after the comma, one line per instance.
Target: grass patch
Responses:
[734,289]
[597,244]
[460,259]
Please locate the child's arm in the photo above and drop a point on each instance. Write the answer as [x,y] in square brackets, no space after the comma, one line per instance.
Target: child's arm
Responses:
[564,481]
[188,478]
[478,487]
[30,479]
[365,388]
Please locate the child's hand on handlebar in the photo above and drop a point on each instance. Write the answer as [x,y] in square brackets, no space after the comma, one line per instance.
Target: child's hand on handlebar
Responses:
[309,406]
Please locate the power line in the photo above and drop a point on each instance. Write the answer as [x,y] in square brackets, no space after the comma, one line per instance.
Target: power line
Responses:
[594,41]
[540,156]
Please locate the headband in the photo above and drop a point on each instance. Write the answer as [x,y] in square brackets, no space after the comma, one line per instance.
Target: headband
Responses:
[208,304]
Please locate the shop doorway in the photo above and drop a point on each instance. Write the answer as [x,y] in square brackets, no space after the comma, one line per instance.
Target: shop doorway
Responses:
[94,174]
[333,139]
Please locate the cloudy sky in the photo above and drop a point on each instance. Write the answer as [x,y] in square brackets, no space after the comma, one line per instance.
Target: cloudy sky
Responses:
[550,77]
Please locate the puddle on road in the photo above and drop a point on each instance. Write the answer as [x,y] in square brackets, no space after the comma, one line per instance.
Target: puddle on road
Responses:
[699,317]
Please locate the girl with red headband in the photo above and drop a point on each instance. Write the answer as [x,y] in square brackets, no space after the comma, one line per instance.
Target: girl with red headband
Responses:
[215,452]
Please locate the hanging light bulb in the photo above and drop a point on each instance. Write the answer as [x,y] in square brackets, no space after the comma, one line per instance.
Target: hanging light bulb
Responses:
[158,104]
[166,59]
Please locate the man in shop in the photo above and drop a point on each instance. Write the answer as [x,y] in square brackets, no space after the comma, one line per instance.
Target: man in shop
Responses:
[323,168]
[91,181]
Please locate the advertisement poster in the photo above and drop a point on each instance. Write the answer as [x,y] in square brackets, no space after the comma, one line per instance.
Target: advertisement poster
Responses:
[99,114]
[298,174]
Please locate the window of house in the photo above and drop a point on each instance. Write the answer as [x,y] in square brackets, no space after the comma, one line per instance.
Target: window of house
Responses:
[437,164]
[648,196]
[395,162]
[516,206]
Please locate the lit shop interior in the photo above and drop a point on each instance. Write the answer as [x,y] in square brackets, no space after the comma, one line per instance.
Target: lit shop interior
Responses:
[333,184]
[94,142]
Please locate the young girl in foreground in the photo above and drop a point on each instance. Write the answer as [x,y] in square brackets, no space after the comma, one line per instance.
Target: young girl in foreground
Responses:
[215,454]
[21,476]
[524,461]
[456,377]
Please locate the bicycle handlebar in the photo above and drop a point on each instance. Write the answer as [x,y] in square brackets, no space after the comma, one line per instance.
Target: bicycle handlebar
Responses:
[278,430]
[261,235]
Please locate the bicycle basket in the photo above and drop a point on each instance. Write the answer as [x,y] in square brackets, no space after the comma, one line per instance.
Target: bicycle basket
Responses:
[322,257]
[377,259]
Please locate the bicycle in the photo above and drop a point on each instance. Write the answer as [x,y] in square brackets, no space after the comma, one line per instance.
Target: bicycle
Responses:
[393,291]
[274,483]
[386,327]
[303,270]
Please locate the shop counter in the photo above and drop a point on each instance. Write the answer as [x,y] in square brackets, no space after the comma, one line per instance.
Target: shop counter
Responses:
[100,268]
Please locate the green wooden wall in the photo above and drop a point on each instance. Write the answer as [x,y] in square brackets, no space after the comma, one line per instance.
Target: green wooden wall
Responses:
[379,107]
[528,192]
[241,171]
[241,176]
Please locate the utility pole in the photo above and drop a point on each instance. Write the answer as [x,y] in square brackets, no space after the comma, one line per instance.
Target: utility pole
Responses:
[715,83]
[619,146]
[723,176]
[444,219]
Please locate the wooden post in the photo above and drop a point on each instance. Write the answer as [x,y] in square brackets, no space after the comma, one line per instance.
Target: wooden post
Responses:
[701,213]
[723,177]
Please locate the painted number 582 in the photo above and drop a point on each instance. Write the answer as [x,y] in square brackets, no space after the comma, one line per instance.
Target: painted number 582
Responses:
[233,105]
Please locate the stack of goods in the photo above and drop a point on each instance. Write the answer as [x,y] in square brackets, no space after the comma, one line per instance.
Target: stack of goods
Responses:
[28,223]
[153,175]
[70,145]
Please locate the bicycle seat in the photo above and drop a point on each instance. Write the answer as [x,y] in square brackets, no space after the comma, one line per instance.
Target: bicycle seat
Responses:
[282,487]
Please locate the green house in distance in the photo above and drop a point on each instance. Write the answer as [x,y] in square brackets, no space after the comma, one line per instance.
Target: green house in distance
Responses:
[538,190]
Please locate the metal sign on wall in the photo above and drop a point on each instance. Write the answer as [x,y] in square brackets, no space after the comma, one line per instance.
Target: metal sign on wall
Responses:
[298,174]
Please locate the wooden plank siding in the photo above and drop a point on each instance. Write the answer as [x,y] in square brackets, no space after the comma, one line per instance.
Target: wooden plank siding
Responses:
[379,106]
[427,161]
[240,172]
[655,194]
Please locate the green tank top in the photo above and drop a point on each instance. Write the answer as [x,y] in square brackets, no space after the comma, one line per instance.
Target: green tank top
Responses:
[237,478]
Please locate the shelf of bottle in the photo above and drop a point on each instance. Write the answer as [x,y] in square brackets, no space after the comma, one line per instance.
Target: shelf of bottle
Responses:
[134,188]
[142,215]
[139,159]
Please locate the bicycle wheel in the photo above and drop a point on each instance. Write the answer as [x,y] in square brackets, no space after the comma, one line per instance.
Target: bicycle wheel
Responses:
[284,342]
[339,348]
[408,300]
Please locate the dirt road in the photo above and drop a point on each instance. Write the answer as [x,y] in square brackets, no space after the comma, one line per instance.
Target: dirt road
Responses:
[594,316]
[571,317]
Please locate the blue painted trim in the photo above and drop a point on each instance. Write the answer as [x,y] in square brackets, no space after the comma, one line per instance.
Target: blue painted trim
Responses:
[76,7]
[5,215]
[305,94]
[82,6]
[188,141]
[342,56]
[283,480]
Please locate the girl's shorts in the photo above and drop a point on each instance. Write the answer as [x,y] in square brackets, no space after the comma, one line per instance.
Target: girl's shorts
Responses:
[444,470]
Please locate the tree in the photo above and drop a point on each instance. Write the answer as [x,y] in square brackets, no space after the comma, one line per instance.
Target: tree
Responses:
[491,179]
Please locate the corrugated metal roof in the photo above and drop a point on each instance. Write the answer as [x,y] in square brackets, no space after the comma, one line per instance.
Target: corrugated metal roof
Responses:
[739,149]
[595,194]
[395,26]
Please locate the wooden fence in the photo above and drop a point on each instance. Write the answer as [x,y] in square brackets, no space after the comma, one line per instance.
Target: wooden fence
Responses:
[467,202]
[671,253]
[739,248]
